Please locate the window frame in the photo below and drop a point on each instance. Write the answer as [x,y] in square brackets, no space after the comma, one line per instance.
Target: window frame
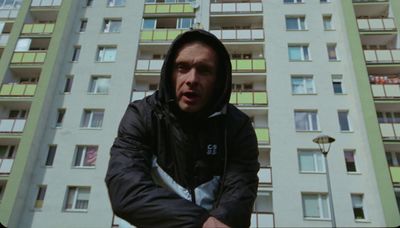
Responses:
[94,85]
[332,48]
[304,52]
[103,51]
[51,154]
[348,163]
[338,79]
[320,197]
[81,156]
[91,114]
[111,21]
[347,119]
[112,3]
[293,1]
[76,53]
[361,195]
[60,117]
[318,160]
[301,24]
[75,196]
[41,194]
[330,21]
[310,121]
[305,83]
[83,25]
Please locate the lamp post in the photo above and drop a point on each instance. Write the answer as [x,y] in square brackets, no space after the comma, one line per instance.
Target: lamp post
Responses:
[324,143]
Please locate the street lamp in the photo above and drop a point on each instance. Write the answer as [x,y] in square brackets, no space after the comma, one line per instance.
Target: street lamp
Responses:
[324,143]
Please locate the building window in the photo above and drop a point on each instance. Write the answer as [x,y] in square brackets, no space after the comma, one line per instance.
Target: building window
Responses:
[68,84]
[332,53]
[303,85]
[344,120]
[106,54]
[184,23]
[306,120]
[89,2]
[85,156]
[83,25]
[388,117]
[357,201]
[10,4]
[327,21]
[337,83]
[299,53]
[393,158]
[92,118]
[7,152]
[311,161]
[114,3]
[149,23]
[350,160]
[325,1]
[40,196]
[77,199]
[60,117]
[295,23]
[293,1]
[112,25]
[75,55]
[315,205]
[99,84]
[51,153]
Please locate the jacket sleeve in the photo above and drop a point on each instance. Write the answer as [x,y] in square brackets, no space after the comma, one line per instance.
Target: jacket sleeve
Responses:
[239,189]
[133,194]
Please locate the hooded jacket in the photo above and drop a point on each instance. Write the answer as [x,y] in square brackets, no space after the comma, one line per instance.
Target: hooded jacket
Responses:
[169,168]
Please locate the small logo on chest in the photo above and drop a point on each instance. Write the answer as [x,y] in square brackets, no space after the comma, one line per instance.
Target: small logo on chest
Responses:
[212,149]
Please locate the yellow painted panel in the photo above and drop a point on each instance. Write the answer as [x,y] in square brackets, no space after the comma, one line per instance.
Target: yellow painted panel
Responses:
[28,58]
[172,34]
[233,99]
[38,28]
[163,8]
[27,29]
[176,8]
[17,57]
[5,90]
[150,9]
[49,28]
[18,90]
[146,35]
[160,35]
[188,8]
[40,57]
[395,171]
[30,90]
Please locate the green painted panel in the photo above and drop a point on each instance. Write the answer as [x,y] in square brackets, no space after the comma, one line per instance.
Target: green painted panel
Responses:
[17,58]
[176,8]
[40,57]
[244,64]
[233,63]
[259,64]
[245,98]
[18,90]
[160,35]
[5,90]
[260,98]
[49,28]
[233,99]
[262,134]
[146,35]
[162,8]
[38,28]
[395,171]
[30,90]
[28,57]
[150,9]
[172,34]
[27,28]
[188,8]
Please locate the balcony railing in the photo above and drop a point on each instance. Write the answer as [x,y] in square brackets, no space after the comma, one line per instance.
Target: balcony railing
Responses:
[18,90]
[247,7]
[363,1]
[264,176]
[6,165]
[12,125]
[46,3]
[4,39]
[37,29]
[385,91]
[160,34]
[390,131]
[262,219]
[149,65]
[262,135]
[29,57]
[249,98]
[379,24]
[248,65]
[382,56]
[239,34]
[168,8]
[395,173]
[9,13]
[138,95]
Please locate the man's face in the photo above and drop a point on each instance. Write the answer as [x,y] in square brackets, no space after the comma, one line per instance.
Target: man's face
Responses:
[194,76]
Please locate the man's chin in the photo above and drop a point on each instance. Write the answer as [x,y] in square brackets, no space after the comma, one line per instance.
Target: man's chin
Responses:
[189,108]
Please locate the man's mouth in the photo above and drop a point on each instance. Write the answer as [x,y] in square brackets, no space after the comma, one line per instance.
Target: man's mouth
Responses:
[190,96]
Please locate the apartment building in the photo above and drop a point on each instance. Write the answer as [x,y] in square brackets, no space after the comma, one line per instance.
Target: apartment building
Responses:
[300,68]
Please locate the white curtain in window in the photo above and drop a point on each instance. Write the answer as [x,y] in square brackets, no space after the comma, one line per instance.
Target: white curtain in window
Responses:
[102,85]
[357,201]
[311,206]
[307,162]
[23,45]
[109,54]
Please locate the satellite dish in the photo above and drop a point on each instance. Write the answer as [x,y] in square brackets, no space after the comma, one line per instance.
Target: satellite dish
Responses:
[195,4]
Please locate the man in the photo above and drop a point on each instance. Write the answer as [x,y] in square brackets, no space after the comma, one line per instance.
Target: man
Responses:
[184,157]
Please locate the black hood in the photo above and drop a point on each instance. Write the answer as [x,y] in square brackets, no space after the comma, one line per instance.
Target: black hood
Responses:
[222,90]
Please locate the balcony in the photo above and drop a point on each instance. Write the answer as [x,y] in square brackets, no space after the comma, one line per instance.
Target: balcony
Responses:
[395,173]
[17,90]
[248,65]
[149,65]
[12,125]
[37,29]
[9,13]
[4,39]
[376,25]
[262,219]
[249,98]
[262,135]
[236,34]
[160,35]
[235,8]
[29,57]
[138,95]
[264,176]
[165,8]
[5,166]
[385,91]
[382,56]
[46,3]
[390,131]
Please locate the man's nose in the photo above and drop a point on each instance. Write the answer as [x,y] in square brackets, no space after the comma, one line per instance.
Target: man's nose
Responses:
[192,77]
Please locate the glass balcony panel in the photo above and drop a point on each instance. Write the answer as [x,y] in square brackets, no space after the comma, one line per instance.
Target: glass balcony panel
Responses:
[376,24]
[138,95]
[17,58]
[160,35]
[384,56]
[228,34]
[264,176]
[387,130]
[5,90]
[244,65]
[388,24]
[172,34]
[27,29]
[363,24]
[28,57]
[228,7]
[188,9]
[6,165]
[259,64]
[396,128]
[243,7]
[18,90]
[150,8]
[244,34]
[30,90]
[256,7]
[262,135]
[392,90]
[177,8]
[260,98]
[245,98]
[12,125]
[233,99]
[395,173]
[156,65]
[146,35]
[396,56]
[233,63]
[217,33]
[265,220]
[4,39]
[38,28]
[378,90]
[216,7]
[49,28]
[142,64]
[162,8]
[40,57]
[253,220]
[257,34]
[370,56]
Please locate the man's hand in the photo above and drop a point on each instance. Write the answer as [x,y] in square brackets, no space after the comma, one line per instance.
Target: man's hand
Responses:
[212,222]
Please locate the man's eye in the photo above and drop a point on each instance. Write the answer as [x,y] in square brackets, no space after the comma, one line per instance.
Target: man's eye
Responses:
[182,67]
